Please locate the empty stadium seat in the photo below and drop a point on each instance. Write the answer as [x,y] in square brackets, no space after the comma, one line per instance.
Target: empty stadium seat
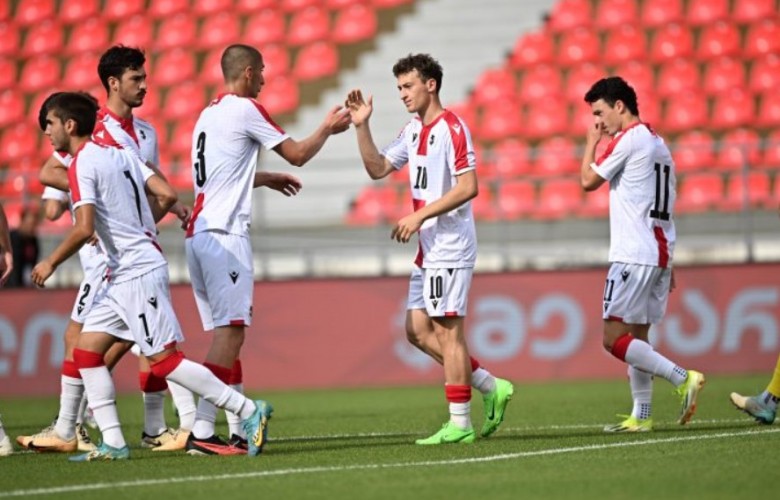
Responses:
[694,150]
[582,119]
[556,157]
[701,12]
[465,111]
[134,32]
[276,58]
[546,118]
[355,23]
[671,41]
[739,148]
[338,4]
[723,74]
[181,138]
[7,73]
[512,158]
[117,10]
[578,46]
[769,110]
[699,192]
[211,70]
[176,31]
[765,73]
[316,60]
[264,27]
[771,157]
[732,109]
[649,107]
[74,11]
[150,109]
[18,141]
[719,39]
[580,80]
[9,39]
[676,76]
[30,12]
[205,8]
[624,43]
[40,73]
[662,12]
[753,193]
[483,206]
[595,203]
[558,198]
[173,67]
[252,6]
[88,36]
[532,48]
[45,37]
[539,82]
[374,205]
[499,120]
[11,107]
[386,4]
[162,9]
[184,100]
[280,95]
[309,25]
[5,10]
[762,38]
[298,5]
[219,30]
[748,11]
[81,71]
[685,111]
[638,74]
[569,14]
[495,84]
[616,13]
[516,199]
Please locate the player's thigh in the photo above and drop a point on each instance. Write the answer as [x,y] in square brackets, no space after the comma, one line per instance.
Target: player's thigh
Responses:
[198,280]
[627,293]
[659,295]
[88,290]
[103,318]
[445,291]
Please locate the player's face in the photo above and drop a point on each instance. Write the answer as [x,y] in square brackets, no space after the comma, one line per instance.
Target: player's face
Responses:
[131,87]
[257,81]
[607,117]
[414,92]
[55,131]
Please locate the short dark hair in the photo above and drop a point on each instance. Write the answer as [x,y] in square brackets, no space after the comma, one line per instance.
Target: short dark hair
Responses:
[45,110]
[77,106]
[236,58]
[427,66]
[613,89]
[118,59]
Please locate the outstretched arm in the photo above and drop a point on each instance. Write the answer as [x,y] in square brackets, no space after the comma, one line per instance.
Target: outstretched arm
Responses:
[377,166]
[298,153]
[287,184]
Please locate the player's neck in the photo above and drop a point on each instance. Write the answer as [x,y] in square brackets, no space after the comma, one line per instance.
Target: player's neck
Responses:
[431,112]
[119,107]
[630,121]
[76,143]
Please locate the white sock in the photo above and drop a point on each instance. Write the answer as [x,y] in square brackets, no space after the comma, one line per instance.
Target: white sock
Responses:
[203,382]
[769,399]
[642,392]
[184,402]
[233,420]
[102,399]
[641,355]
[83,408]
[71,393]
[483,381]
[2,431]
[154,413]
[460,414]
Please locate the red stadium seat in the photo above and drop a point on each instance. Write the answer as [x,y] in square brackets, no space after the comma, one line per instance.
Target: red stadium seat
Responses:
[732,109]
[11,108]
[386,4]
[723,74]
[88,36]
[662,12]
[355,23]
[582,119]
[465,111]
[581,78]
[184,100]
[18,141]
[753,193]
[516,199]
[558,198]
[173,67]
[30,12]
[771,159]
[532,48]
[9,39]
[499,120]
[276,58]
[569,14]
[5,10]
[280,95]
[81,71]
[46,37]
[739,148]
[624,43]
[699,192]
[40,73]
[495,84]
[252,6]
[556,157]
[181,137]
[74,11]
[686,111]
[298,5]
[719,39]
[540,82]
[762,38]
[547,118]
[338,4]
[374,205]
[578,46]
[616,13]
[701,12]
[134,32]
[676,76]
[117,10]
[512,158]
[670,42]
[649,107]
[162,9]
[769,110]
[317,60]
[483,205]
[211,71]
[205,8]
[309,25]
[638,75]
[176,31]
[219,30]
[150,108]
[765,73]
[595,203]
[264,27]
[7,73]
[694,150]
[748,11]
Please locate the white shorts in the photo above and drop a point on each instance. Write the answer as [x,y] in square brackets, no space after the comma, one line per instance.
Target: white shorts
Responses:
[137,310]
[222,276]
[441,292]
[636,294]
[88,289]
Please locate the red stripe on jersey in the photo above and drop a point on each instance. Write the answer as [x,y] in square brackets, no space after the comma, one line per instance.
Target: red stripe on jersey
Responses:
[103,138]
[196,209]
[614,142]
[267,117]
[125,123]
[422,146]
[458,137]
[73,182]
[663,247]
[154,241]
[418,260]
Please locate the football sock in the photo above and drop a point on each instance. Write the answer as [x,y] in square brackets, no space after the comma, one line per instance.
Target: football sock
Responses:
[71,392]
[83,409]
[483,381]
[154,413]
[641,392]
[184,402]
[233,420]
[459,398]
[2,431]
[100,392]
[641,355]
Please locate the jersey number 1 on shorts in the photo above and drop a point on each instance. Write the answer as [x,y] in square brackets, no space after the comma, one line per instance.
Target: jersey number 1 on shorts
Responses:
[200,163]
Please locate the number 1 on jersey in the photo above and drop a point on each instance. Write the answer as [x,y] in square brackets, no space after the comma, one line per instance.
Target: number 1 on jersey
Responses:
[661,178]
[200,163]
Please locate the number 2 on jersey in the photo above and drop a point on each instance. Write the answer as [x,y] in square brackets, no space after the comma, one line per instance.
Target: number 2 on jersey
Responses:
[661,179]
[200,163]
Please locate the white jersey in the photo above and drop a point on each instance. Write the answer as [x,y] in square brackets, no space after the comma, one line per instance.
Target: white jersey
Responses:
[92,257]
[131,133]
[112,179]
[225,144]
[642,193]
[436,154]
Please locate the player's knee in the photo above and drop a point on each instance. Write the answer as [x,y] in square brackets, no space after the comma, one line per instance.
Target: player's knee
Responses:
[607,343]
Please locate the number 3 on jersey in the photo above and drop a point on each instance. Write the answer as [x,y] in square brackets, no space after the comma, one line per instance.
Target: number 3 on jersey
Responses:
[200,163]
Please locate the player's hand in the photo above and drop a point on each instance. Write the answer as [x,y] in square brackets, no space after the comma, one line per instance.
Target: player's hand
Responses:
[287,184]
[595,134]
[6,266]
[41,272]
[405,228]
[183,212]
[359,109]
[337,120]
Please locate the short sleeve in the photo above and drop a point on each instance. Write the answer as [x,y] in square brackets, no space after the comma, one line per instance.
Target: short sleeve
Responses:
[82,181]
[397,152]
[462,156]
[614,158]
[50,193]
[261,127]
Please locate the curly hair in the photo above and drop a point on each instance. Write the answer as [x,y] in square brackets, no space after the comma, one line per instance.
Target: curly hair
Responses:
[427,66]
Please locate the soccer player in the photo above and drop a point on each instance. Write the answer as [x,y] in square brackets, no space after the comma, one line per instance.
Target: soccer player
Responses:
[225,145]
[762,407]
[106,183]
[437,145]
[641,175]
